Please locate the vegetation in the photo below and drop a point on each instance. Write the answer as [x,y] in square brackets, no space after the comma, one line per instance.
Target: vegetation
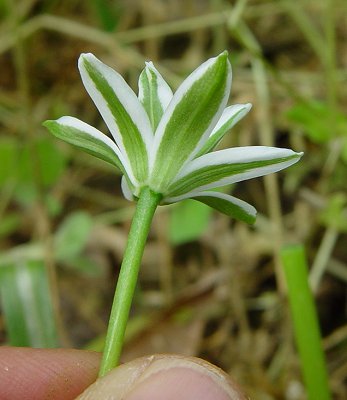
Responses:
[209,286]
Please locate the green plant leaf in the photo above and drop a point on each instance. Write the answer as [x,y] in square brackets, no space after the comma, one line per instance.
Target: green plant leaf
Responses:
[315,117]
[230,117]
[53,204]
[72,236]
[51,160]
[121,110]
[154,93]
[306,323]
[41,164]
[344,150]
[8,159]
[230,166]
[108,13]
[9,224]
[26,193]
[334,215]
[189,119]
[83,265]
[188,220]
[27,304]
[48,162]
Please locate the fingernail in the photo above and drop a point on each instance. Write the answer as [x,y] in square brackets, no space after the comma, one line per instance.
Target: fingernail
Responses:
[182,379]
[165,377]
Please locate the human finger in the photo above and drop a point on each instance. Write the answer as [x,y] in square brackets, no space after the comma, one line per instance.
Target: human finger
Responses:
[40,374]
[166,377]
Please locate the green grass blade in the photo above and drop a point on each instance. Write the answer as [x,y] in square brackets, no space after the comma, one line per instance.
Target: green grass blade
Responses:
[305,320]
[27,305]
[108,14]
[72,235]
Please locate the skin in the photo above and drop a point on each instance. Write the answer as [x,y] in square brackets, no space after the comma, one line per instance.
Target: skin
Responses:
[63,374]
[41,374]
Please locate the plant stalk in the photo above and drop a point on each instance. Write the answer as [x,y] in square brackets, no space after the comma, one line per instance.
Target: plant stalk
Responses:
[140,226]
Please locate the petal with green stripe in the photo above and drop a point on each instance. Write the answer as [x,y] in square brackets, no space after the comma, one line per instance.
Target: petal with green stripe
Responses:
[222,202]
[189,119]
[229,205]
[154,94]
[121,110]
[89,139]
[230,166]
[230,117]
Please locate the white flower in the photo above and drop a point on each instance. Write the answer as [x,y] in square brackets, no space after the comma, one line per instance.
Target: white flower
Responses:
[165,141]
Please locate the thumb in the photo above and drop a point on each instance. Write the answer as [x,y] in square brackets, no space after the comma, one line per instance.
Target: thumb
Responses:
[164,377]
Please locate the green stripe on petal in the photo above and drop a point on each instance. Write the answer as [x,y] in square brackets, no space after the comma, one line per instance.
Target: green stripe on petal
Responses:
[222,202]
[230,117]
[229,205]
[90,140]
[154,94]
[189,119]
[121,110]
[230,166]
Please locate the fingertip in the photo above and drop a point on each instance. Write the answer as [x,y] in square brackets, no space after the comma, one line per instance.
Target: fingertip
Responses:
[150,378]
[40,374]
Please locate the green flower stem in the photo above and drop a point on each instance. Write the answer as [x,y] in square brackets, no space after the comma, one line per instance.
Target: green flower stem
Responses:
[305,321]
[145,208]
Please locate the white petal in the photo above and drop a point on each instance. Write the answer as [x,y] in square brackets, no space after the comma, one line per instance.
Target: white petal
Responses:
[236,155]
[179,94]
[231,115]
[90,130]
[225,203]
[80,125]
[217,168]
[240,109]
[248,208]
[164,91]
[126,190]
[125,95]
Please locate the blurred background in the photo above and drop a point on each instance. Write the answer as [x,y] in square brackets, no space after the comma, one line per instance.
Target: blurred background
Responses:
[209,286]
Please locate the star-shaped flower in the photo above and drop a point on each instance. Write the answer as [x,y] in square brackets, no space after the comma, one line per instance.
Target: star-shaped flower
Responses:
[166,141]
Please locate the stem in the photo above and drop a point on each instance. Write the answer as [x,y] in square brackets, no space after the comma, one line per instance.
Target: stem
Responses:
[305,321]
[267,139]
[145,208]
[323,256]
